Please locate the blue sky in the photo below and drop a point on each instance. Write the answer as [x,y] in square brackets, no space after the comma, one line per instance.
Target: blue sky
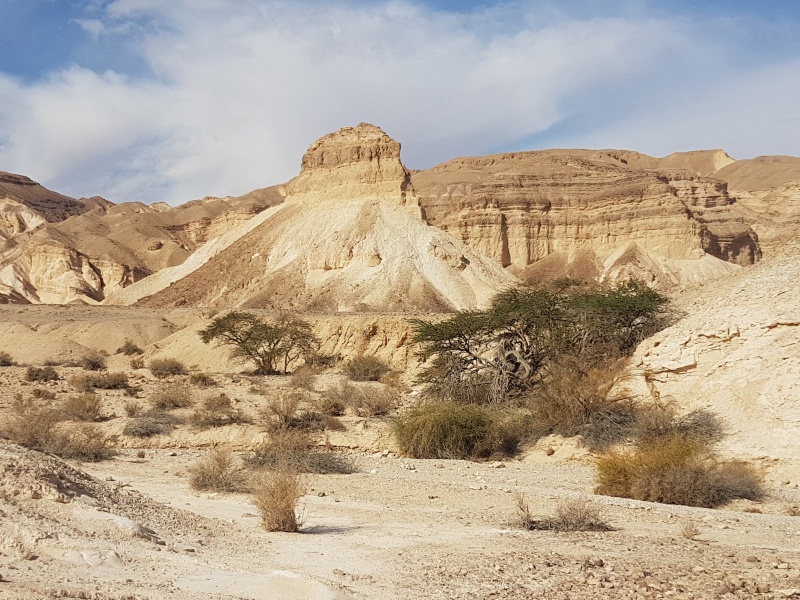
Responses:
[177,99]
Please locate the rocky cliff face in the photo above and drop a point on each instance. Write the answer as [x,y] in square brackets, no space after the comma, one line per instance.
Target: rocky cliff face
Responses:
[523,207]
[348,238]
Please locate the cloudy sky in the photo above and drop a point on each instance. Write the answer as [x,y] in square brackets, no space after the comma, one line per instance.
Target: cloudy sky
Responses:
[178,99]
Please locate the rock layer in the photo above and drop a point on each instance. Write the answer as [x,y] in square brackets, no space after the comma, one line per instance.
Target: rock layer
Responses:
[348,238]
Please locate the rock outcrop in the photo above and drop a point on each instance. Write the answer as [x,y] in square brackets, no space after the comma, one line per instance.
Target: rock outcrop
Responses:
[349,237]
[523,207]
[736,353]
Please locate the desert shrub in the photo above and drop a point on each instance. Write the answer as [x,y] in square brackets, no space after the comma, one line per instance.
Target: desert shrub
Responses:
[662,420]
[330,403]
[43,394]
[451,430]
[216,411]
[128,348]
[149,424]
[137,363]
[100,381]
[132,408]
[30,424]
[675,469]
[275,495]
[366,368]
[164,367]
[331,423]
[305,378]
[82,407]
[84,442]
[283,412]
[171,396]
[364,400]
[575,514]
[202,380]
[6,360]
[292,449]
[92,361]
[587,400]
[218,472]
[41,374]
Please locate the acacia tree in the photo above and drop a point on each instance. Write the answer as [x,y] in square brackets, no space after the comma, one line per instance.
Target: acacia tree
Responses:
[505,348]
[268,345]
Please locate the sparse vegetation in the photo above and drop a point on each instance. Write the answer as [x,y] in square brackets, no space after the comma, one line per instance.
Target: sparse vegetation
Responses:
[202,380]
[137,363]
[166,367]
[366,368]
[292,449]
[283,412]
[83,407]
[217,411]
[575,514]
[128,348]
[43,394]
[41,374]
[168,397]
[364,400]
[100,381]
[6,360]
[269,346]
[675,469]
[219,473]
[149,424]
[85,442]
[132,408]
[689,530]
[32,425]
[452,430]
[304,377]
[276,495]
[92,361]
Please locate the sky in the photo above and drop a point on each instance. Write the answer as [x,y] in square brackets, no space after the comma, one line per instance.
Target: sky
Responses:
[172,100]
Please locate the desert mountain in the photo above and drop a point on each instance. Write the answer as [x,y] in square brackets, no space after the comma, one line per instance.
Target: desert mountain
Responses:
[56,249]
[592,213]
[349,237]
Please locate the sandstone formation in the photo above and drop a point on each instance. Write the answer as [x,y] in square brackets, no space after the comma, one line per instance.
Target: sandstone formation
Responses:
[58,250]
[736,353]
[601,206]
[349,237]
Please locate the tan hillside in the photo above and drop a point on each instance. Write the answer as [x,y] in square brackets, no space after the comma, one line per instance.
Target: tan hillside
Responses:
[52,206]
[520,208]
[349,237]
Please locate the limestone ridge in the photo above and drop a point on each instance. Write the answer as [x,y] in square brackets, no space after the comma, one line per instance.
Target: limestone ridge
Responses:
[352,163]
[350,237]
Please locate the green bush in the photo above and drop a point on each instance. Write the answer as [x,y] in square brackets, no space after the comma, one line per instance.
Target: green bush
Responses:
[366,368]
[165,367]
[675,469]
[41,374]
[458,431]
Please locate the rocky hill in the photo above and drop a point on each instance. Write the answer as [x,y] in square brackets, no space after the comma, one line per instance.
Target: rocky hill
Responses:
[349,237]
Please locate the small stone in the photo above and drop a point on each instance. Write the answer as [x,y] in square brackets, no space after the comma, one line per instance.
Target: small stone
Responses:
[173,454]
[752,559]
[109,478]
[373,471]
[321,494]
[782,566]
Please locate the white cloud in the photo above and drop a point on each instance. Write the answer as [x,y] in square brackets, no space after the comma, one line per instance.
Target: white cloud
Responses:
[242,89]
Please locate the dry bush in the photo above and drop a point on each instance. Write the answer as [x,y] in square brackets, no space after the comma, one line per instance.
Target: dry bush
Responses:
[577,399]
[366,368]
[393,380]
[364,400]
[92,361]
[333,424]
[84,442]
[128,348]
[305,378]
[137,363]
[100,381]
[171,396]
[202,380]
[452,430]
[675,469]
[217,411]
[82,407]
[219,473]
[689,530]
[331,402]
[165,367]
[30,424]
[575,514]
[43,394]
[292,449]
[149,424]
[132,408]
[662,420]
[283,412]
[6,360]
[41,374]
[276,495]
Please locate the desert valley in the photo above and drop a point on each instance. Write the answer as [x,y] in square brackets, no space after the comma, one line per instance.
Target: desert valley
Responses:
[140,438]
